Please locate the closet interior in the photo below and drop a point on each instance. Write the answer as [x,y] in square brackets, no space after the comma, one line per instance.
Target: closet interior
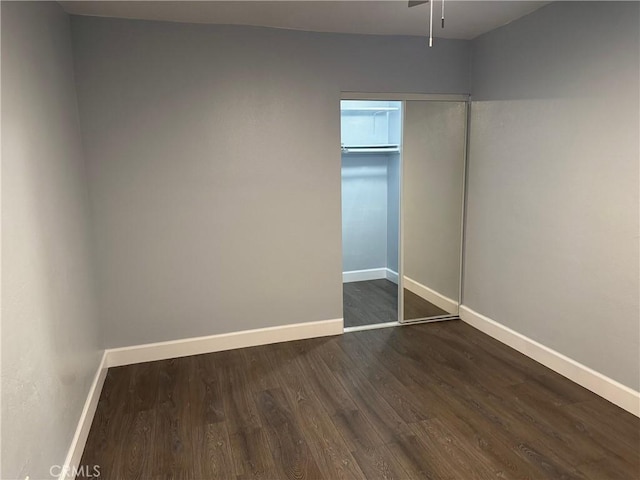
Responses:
[403,171]
[371,137]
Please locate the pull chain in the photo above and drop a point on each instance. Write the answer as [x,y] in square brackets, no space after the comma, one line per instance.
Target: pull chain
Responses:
[431,23]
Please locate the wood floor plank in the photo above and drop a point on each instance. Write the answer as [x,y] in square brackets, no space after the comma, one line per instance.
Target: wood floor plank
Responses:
[207,392]
[172,445]
[484,363]
[108,421]
[565,392]
[325,442]
[496,451]
[457,377]
[258,372]
[291,453]
[385,420]
[589,427]
[143,387]
[451,383]
[210,447]
[134,460]
[416,307]
[238,403]
[386,384]
[212,456]
[251,455]
[426,401]
[355,429]
[421,459]
[609,469]
[423,390]
[554,424]
[465,458]
[327,387]
[369,302]
[380,463]
[495,402]
[376,301]
[492,347]
[617,424]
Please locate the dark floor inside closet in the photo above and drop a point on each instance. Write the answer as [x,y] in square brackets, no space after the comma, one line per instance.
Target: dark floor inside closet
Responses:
[376,301]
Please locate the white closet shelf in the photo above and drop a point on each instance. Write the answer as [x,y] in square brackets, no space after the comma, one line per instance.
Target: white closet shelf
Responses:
[370,109]
[370,148]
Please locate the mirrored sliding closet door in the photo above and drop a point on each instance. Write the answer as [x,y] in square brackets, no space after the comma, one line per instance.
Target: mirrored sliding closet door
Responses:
[433,170]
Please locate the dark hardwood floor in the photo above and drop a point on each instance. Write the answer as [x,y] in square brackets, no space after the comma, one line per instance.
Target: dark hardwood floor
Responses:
[416,307]
[376,301]
[369,302]
[437,401]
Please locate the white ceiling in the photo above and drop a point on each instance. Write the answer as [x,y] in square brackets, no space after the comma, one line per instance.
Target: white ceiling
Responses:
[464,19]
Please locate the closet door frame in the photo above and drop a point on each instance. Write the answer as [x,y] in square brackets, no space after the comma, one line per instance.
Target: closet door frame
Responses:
[404,98]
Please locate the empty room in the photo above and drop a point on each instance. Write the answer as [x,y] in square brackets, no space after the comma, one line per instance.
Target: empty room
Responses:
[320,240]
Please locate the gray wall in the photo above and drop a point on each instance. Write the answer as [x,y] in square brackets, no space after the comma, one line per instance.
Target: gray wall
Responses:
[49,321]
[393,211]
[214,164]
[552,239]
[433,182]
[364,212]
[370,211]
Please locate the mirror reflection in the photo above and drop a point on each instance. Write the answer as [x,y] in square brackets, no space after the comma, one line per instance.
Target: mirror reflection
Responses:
[432,201]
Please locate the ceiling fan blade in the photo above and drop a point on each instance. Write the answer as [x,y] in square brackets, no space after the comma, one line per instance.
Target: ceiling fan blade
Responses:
[413,3]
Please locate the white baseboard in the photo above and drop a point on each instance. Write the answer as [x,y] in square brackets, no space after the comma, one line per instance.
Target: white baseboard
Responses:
[392,276]
[79,440]
[370,274]
[371,326]
[362,275]
[439,300]
[598,383]
[226,341]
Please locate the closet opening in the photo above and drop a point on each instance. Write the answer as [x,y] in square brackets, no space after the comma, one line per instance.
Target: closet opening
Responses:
[403,199]
[371,144]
